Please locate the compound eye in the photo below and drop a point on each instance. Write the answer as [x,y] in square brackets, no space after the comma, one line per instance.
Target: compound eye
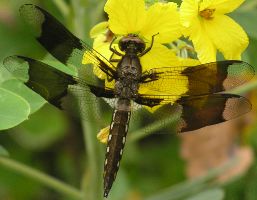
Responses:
[141,47]
[123,45]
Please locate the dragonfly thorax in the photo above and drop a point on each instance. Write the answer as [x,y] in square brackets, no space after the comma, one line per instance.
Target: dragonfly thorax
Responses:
[129,71]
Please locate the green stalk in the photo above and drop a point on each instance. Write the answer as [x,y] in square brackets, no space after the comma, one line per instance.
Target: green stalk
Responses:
[42,178]
[92,177]
[145,131]
[63,7]
[80,20]
[182,190]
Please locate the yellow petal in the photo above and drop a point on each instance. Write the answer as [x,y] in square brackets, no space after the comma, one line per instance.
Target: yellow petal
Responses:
[109,84]
[159,56]
[100,28]
[125,16]
[162,84]
[185,31]
[206,51]
[153,109]
[189,62]
[101,47]
[102,136]
[227,36]
[221,6]
[158,87]
[188,12]
[162,18]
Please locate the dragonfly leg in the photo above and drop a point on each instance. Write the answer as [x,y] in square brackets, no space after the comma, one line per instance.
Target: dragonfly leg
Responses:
[113,48]
[149,48]
[113,59]
[149,76]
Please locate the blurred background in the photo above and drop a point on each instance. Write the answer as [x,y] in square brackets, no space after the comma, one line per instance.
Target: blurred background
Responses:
[216,162]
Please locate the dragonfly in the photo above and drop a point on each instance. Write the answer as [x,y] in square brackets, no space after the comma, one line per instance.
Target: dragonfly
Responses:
[203,103]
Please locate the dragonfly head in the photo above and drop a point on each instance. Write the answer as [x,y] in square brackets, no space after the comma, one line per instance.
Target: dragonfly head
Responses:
[132,43]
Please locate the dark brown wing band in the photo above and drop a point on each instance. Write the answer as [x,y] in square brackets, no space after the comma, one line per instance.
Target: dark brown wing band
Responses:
[203,110]
[198,112]
[60,42]
[52,84]
[199,80]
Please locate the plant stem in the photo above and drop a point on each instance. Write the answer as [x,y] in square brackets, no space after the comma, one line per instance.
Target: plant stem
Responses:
[79,17]
[138,134]
[62,6]
[92,178]
[41,177]
[182,190]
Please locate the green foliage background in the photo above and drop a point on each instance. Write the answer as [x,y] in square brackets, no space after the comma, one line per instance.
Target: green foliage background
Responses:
[151,168]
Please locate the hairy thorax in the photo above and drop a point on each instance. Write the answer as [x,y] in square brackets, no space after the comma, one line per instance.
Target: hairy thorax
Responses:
[129,72]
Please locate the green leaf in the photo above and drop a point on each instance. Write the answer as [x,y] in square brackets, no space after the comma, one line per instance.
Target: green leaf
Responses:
[35,101]
[3,151]
[213,194]
[13,109]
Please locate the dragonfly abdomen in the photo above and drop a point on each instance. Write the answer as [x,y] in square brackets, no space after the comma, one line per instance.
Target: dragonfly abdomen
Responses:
[116,142]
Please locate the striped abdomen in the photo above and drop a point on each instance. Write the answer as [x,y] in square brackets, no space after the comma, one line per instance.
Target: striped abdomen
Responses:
[116,142]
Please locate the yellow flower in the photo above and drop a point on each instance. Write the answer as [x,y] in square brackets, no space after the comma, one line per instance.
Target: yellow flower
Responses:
[131,16]
[103,134]
[210,29]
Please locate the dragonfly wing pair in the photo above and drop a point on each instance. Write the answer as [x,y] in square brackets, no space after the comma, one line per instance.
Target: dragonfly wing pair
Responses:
[196,89]
[199,83]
